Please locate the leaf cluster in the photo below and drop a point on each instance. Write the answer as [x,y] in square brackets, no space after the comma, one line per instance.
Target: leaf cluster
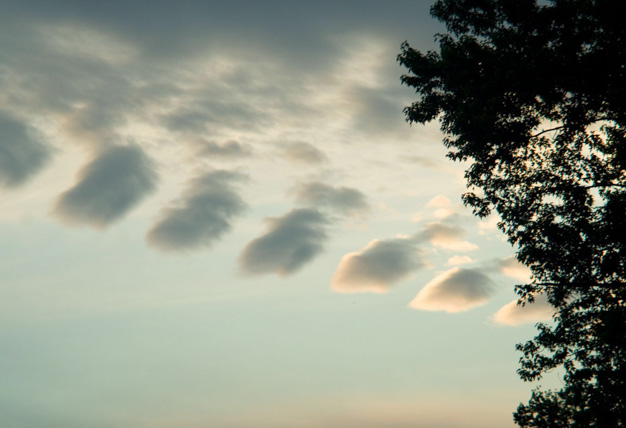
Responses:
[534,97]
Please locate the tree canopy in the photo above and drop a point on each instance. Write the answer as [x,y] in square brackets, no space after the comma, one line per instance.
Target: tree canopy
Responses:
[533,95]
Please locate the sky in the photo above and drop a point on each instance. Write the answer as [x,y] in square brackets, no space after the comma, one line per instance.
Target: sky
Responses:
[214,215]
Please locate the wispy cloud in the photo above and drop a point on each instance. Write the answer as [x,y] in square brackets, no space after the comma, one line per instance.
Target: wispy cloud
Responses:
[303,153]
[455,290]
[343,199]
[514,314]
[227,149]
[291,241]
[423,161]
[108,187]
[377,267]
[376,110]
[21,155]
[213,108]
[202,215]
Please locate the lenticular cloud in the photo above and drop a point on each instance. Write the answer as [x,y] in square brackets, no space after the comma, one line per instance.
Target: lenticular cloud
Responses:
[514,314]
[376,267]
[203,214]
[342,199]
[455,290]
[290,242]
[107,188]
[447,237]
[21,156]
[514,269]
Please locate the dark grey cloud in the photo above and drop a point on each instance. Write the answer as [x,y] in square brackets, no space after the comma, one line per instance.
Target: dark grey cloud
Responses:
[158,64]
[99,66]
[227,149]
[455,290]
[108,187]
[203,214]
[298,29]
[291,241]
[56,73]
[379,110]
[377,267]
[320,195]
[303,153]
[21,155]
[217,107]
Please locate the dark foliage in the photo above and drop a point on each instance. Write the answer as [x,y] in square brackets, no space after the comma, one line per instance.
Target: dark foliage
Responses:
[534,97]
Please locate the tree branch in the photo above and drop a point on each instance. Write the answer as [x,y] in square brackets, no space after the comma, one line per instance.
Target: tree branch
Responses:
[547,130]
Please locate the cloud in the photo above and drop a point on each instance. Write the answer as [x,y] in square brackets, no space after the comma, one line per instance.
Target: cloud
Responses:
[228,149]
[343,199]
[108,187]
[443,206]
[291,241]
[377,110]
[439,201]
[211,109]
[423,161]
[514,314]
[455,290]
[460,260]
[97,121]
[303,153]
[447,237]
[489,225]
[514,269]
[377,267]
[21,156]
[276,26]
[202,216]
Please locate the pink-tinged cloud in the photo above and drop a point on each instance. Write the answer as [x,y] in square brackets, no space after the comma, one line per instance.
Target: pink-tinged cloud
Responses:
[514,269]
[460,260]
[439,201]
[514,314]
[455,290]
[447,237]
[377,267]
[442,205]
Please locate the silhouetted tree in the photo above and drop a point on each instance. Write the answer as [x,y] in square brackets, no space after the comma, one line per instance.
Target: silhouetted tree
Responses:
[534,97]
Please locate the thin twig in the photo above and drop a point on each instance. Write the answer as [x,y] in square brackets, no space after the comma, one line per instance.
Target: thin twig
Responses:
[547,130]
